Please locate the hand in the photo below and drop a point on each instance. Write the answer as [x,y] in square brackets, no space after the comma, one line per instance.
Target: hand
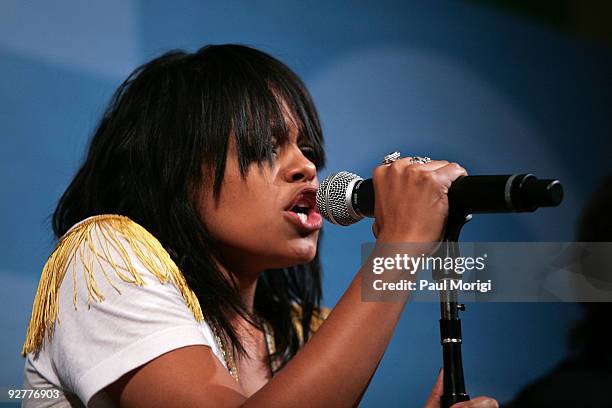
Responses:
[434,398]
[411,200]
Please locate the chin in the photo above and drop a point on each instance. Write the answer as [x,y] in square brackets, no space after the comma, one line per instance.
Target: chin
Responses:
[306,259]
[300,254]
[305,254]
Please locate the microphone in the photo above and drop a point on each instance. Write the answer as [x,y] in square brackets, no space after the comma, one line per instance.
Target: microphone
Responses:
[345,198]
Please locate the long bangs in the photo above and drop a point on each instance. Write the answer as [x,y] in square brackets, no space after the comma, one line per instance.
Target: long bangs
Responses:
[253,94]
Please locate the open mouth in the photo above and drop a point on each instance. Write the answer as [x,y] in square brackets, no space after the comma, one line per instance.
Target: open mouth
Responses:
[303,211]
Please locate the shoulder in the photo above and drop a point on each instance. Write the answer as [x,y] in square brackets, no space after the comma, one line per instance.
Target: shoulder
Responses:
[110,299]
[102,256]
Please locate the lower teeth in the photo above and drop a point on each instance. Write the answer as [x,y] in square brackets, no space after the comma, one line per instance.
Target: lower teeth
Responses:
[303,217]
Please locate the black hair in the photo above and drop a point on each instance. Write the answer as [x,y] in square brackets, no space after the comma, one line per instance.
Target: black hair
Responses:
[167,122]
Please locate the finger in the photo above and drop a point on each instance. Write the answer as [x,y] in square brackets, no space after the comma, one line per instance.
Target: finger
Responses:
[375,229]
[432,165]
[478,402]
[407,161]
[433,401]
[450,173]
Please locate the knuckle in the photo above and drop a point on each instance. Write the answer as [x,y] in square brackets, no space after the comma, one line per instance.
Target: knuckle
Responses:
[427,176]
[404,160]
[411,169]
[378,172]
[458,166]
[400,164]
[396,169]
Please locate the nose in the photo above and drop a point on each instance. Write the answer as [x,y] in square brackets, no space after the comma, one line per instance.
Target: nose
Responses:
[299,168]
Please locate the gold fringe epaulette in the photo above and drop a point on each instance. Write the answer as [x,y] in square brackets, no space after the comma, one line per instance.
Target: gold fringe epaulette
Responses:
[317,319]
[112,232]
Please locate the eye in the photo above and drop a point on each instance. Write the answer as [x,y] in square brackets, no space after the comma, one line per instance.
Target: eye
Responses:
[309,153]
[275,148]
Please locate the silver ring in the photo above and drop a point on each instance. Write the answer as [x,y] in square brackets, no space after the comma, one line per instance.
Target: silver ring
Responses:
[419,160]
[390,158]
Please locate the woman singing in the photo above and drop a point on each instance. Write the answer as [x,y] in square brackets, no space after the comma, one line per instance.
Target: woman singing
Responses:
[186,272]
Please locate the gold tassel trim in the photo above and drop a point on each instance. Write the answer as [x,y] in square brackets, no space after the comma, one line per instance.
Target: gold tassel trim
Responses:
[108,230]
[317,319]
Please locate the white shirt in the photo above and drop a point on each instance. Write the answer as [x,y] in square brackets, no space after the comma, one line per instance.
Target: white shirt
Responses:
[92,346]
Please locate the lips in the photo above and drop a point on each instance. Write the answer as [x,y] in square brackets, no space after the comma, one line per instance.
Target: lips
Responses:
[302,211]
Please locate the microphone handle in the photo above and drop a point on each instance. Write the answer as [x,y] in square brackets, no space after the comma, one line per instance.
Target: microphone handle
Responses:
[503,193]
[481,194]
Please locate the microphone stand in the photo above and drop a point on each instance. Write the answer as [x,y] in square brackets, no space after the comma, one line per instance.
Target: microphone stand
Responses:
[450,323]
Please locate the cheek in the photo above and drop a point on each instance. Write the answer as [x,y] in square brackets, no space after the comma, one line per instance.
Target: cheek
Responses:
[234,223]
[261,241]
[242,221]
[251,225]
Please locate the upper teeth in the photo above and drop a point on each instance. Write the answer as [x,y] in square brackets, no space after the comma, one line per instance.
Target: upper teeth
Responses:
[303,217]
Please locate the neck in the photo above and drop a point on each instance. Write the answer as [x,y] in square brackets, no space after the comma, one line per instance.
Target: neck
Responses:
[246,288]
[246,281]
[247,285]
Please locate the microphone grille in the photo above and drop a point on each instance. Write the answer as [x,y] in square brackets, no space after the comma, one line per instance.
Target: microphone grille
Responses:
[334,198]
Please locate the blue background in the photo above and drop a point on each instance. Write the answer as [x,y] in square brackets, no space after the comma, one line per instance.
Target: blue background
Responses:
[447,79]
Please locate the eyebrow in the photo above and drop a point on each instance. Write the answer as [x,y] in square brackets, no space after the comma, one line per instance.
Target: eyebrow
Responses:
[300,137]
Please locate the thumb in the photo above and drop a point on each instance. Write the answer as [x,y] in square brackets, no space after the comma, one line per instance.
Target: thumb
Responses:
[375,229]
[434,398]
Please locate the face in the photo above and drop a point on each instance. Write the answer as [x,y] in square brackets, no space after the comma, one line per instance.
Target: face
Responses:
[256,219]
